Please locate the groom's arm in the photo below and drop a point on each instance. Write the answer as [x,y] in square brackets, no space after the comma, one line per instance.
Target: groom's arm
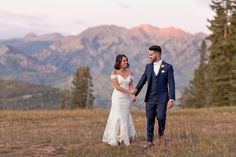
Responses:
[171,83]
[141,82]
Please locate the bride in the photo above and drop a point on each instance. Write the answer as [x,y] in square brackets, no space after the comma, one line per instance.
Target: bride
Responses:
[120,126]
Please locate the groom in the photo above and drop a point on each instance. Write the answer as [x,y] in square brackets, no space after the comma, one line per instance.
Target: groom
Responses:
[160,93]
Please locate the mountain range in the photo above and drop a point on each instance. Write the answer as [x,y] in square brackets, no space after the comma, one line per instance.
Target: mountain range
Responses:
[52,59]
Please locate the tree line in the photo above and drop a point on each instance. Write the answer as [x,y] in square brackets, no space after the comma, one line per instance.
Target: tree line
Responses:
[214,82]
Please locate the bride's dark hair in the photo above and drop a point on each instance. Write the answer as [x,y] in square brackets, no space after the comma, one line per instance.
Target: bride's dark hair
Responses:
[119,60]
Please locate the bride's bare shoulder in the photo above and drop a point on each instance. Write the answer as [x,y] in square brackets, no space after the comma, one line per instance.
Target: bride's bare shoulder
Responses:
[113,72]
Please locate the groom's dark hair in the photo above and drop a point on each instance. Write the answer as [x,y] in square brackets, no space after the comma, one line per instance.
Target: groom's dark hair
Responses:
[155,48]
[119,60]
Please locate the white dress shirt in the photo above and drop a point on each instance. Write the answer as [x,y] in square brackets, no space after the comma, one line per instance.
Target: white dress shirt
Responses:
[156,66]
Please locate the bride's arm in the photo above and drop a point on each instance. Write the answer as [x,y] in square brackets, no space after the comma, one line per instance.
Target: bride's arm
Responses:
[131,85]
[117,86]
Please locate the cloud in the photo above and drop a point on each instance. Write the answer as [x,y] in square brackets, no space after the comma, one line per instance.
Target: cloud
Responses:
[22,20]
[125,6]
[205,3]
[81,22]
[13,16]
[19,24]
[120,3]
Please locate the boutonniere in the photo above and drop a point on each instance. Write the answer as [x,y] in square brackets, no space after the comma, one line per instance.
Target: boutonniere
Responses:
[163,66]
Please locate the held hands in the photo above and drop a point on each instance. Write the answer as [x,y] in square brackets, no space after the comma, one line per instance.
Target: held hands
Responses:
[133,98]
[133,91]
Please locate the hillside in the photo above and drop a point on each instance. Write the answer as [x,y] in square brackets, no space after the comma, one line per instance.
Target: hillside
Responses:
[25,96]
[190,132]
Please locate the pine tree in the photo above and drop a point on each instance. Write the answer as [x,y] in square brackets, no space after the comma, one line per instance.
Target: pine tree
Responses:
[82,96]
[219,79]
[219,59]
[232,41]
[195,94]
[89,94]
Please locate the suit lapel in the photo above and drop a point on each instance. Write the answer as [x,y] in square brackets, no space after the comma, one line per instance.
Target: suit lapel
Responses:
[150,69]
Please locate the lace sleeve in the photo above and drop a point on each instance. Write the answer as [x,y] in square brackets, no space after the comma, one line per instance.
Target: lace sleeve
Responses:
[113,76]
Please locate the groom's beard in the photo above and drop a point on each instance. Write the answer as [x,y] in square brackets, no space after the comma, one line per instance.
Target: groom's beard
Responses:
[154,60]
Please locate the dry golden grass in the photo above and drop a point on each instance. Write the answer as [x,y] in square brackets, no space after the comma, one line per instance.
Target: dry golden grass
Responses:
[190,132]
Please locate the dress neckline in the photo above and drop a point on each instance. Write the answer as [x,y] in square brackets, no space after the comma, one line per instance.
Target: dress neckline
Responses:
[123,77]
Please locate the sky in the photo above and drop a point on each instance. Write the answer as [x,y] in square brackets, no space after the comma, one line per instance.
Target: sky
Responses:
[71,17]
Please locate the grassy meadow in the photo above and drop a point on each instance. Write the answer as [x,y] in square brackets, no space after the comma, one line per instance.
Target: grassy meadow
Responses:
[190,132]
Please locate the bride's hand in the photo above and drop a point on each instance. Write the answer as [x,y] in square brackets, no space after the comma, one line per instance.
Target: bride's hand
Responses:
[130,90]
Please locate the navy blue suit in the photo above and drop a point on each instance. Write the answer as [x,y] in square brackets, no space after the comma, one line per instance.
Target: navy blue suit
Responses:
[160,89]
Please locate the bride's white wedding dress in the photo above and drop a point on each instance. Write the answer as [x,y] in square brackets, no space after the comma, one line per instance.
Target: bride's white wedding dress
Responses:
[120,126]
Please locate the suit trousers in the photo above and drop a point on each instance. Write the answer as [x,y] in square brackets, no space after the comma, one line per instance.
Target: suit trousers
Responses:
[155,110]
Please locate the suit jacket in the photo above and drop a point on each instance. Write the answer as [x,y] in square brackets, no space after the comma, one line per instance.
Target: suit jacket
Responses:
[165,82]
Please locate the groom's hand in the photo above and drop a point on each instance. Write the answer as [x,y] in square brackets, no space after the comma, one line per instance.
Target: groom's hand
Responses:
[170,104]
[133,98]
